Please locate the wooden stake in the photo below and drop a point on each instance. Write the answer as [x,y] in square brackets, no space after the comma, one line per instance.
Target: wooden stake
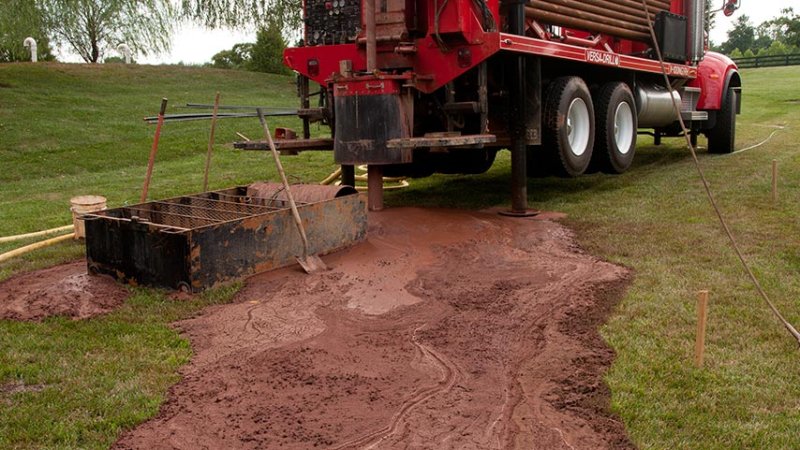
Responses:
[153,150]
[774,180]
[211,141]
[702,316]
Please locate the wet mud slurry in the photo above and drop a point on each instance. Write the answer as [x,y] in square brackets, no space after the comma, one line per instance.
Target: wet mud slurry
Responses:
[445,330]
[63,290]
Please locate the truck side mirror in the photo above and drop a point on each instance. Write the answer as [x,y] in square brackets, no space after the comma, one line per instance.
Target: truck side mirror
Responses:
[730,7]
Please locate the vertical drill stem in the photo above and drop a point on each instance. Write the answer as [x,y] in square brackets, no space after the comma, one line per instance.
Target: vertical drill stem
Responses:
[375,188]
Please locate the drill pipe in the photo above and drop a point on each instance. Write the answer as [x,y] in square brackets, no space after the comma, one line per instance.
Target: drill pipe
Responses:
[596,8]
[583,24]
[604,19]
[615,5]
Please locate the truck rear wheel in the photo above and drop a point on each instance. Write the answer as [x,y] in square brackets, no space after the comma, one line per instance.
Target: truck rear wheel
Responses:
[568,122]
[615,138]
[721,138]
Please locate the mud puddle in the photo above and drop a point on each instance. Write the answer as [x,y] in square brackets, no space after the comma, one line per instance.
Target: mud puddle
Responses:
[62,290]
[445,330]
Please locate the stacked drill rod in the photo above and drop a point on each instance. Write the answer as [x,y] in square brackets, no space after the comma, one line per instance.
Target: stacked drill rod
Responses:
[620,18]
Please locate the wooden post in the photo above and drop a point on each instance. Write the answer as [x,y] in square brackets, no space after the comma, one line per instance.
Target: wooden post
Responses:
[702,316]
[211,141]
[153,150]
[774,180]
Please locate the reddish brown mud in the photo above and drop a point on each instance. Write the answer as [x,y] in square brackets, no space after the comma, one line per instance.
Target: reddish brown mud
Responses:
[446,330]
[63,290]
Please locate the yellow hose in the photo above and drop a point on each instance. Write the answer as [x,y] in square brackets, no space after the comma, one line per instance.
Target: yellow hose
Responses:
[401,184]
[35,246]
[332,177]
[19,237]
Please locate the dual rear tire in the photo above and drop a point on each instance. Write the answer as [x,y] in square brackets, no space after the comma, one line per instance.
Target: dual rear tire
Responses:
[615,140]
[582,131]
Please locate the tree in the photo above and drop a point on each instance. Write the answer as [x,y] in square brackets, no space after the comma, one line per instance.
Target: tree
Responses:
[785,28]
[18,20]
[285,14]
[711,16]
[265,55]
[235,58]
[741,36]
[267,52]
[90,27]
[762,38]
[777,48]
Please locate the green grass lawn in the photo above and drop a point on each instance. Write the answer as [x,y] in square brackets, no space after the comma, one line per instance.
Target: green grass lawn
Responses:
[73,129]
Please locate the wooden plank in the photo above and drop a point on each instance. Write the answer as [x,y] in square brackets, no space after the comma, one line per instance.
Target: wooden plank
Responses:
[288,144]
[442,141]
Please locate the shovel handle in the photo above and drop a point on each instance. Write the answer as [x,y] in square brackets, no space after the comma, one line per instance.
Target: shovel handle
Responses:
[295,213]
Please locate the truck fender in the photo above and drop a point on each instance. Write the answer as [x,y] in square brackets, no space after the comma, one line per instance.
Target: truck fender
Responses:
[715,74]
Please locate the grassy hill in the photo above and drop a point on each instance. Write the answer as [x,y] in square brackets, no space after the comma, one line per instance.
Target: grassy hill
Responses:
[76,129]
[70,129]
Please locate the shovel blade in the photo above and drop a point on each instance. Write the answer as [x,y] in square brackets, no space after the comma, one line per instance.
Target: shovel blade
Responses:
[312,263]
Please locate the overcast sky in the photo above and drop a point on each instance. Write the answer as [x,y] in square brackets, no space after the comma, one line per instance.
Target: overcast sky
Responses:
[196,45]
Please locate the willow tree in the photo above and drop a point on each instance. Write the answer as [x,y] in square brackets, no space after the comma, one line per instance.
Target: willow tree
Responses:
[286,14]
[18,20]
[91,27]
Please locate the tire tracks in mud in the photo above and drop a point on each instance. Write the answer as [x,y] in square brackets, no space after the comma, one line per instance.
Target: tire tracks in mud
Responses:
[480,360]
[449,375]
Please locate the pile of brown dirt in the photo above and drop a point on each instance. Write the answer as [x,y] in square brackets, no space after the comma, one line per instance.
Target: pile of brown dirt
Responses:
[445,330]
[63,290]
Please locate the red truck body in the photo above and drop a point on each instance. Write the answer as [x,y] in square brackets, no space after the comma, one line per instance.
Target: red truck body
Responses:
[424,86]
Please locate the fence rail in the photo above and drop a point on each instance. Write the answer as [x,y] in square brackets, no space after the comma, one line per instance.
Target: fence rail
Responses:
[768,61]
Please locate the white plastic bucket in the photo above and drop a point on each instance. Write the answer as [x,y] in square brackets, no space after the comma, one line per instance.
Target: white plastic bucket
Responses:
[84,204]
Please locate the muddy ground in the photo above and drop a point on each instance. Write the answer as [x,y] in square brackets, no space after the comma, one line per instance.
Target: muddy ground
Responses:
[445,330]
[62,290]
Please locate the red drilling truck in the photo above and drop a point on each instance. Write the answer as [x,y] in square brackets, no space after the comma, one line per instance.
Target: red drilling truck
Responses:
[416,87]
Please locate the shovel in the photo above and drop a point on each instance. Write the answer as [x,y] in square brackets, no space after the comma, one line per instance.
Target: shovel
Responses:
[309,263]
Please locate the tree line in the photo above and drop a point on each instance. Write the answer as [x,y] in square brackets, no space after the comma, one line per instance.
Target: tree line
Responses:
[778,36]
[91,28]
